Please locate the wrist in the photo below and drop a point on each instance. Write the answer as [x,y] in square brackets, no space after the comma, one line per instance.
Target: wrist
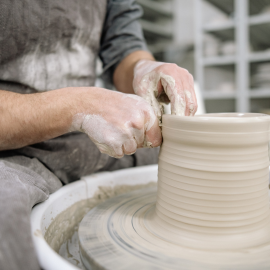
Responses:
[123,74]
[142,62]
[87,101]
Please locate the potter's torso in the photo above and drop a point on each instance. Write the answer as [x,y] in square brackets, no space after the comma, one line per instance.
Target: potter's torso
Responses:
[46,45]
[49,44]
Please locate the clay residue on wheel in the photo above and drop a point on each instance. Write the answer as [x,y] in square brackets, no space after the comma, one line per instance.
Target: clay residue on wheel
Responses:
[62,234]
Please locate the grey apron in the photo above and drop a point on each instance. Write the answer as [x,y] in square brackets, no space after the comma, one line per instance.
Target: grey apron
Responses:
[45,45]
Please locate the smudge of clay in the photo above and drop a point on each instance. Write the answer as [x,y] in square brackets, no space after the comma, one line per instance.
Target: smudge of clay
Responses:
[190,101]
[38,233]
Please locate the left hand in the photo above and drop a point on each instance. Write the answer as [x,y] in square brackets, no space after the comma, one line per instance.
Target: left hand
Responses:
[163,82]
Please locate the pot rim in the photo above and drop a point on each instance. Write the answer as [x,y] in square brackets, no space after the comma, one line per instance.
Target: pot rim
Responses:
[222,118]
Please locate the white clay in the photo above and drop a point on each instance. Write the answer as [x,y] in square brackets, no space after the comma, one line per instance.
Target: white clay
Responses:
[218,168]
[190,100]
[212,206]
[150,82]
[106,136]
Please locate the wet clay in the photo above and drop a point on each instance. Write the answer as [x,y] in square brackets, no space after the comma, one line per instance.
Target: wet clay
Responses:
[62,234]
[211,208]
[213,181]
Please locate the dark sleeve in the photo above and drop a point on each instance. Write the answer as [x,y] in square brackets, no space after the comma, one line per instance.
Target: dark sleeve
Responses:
[122,34]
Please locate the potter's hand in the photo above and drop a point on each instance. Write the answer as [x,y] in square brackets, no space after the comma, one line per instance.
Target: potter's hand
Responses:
[117,123]
[163,82]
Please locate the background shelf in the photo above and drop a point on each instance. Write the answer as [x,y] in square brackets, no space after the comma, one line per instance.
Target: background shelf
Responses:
[244,27]
[223,34]
[219,60]
[259,19]
[211,27]
[220,105]
[260,36]
[226,6]
[156,29]
[257,6]
[259,105]
[218,95]
[259,56]
[158,9]
[259,93]
[158,24]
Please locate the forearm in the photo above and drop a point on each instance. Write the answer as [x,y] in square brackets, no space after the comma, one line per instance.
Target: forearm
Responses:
[117,123]
[31,118]
[123,75]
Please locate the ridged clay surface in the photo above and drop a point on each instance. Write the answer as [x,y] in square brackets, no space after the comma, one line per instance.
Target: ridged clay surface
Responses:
[211,207]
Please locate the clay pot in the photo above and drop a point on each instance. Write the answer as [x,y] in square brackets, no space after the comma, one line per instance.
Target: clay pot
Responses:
[213,181]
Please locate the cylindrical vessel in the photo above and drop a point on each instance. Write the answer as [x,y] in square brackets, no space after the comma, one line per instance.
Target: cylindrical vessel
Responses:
[213,181]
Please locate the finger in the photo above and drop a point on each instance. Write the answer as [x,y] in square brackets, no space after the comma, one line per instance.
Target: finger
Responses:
[129,147]
[175,94]
[149,89]
[116,151]
[136,127]
[190,104]
[193,93]
[138,135]
[153,136]
[188,91]
[187,88]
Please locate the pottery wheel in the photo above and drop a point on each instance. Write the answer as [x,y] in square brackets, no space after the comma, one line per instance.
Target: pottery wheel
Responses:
[117,234]
[211,210]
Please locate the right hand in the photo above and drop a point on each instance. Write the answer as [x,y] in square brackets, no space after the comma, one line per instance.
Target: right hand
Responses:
[117,123]
[165,82]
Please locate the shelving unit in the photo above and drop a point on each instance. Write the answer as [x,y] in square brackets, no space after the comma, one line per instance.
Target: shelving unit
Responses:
[230,24]
[259,93]
[153,9]
[224,5]
[259,56]
[247,25]
[219,60]
[211,95]
[157,24]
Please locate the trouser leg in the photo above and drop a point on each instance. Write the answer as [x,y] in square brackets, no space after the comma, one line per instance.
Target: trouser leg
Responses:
[23,183]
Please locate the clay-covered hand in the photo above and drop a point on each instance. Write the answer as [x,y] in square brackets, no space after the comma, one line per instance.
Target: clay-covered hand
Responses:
[118,123]
[163,82]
